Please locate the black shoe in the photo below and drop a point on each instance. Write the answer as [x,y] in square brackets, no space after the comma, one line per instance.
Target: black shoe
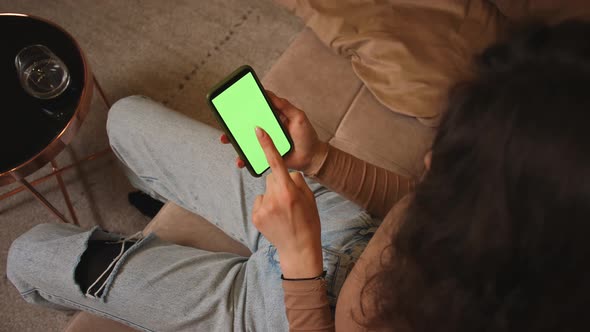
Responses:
[147,205]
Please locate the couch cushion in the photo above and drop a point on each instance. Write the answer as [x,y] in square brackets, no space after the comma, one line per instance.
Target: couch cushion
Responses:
[343,111]
[373,133]
[315,80]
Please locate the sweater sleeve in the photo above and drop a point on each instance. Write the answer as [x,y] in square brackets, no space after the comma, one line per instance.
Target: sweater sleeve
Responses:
[307,306]
[372,187]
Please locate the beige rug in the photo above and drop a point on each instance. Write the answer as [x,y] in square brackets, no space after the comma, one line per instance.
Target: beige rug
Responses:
[172,51]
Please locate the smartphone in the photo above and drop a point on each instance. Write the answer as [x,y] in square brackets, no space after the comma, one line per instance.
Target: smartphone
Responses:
[240,104]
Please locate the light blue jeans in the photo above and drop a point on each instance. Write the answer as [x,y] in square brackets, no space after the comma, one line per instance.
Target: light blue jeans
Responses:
[160,286]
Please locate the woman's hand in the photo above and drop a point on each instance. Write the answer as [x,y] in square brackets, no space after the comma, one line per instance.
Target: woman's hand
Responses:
[308,151]
[287,216]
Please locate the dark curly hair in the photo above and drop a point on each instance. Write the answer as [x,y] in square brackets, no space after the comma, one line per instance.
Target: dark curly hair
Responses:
[497,237]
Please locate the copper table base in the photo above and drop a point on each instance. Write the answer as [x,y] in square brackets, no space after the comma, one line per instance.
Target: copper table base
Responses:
[56,172]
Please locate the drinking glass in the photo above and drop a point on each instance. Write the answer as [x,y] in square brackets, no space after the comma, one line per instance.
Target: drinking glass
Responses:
[41,73]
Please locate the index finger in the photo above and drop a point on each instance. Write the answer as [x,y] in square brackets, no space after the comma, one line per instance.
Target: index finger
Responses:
[275,161]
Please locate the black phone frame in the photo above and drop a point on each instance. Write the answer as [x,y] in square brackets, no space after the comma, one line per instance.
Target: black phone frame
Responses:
[224,85]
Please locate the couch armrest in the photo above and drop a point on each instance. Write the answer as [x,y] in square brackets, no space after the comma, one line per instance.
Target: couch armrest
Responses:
[83,322]
[178,225]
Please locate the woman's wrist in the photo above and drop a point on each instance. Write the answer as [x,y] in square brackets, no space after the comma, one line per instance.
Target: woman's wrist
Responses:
[302,264]
[317,159]
[321,276]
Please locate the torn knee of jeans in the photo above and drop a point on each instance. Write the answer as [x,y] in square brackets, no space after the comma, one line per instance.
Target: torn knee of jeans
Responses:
[98,264]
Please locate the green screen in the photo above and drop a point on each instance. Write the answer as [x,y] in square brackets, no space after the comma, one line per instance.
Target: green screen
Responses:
[242,107]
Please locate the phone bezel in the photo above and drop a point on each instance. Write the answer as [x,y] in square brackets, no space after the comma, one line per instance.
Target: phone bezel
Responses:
[221,87]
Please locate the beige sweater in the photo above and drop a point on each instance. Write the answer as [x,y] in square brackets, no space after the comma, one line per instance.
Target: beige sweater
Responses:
[376,190]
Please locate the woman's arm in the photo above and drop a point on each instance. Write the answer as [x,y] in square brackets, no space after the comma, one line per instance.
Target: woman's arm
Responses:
[287,216]
[307,306]
[372,187]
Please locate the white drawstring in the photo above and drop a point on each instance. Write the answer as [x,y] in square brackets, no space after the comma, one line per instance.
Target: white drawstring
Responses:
[138,236]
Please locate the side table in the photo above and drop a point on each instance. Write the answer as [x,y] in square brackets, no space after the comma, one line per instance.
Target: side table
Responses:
[32,131]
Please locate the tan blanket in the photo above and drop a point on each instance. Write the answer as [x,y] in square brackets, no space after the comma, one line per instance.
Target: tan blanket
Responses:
[407,52]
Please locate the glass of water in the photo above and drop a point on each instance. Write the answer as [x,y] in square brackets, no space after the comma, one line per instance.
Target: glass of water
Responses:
[41,73]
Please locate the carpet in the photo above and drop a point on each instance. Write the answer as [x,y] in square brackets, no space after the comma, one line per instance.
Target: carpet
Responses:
[171,51]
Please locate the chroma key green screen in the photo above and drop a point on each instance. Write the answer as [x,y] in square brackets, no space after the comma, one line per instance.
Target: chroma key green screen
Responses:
[242,107]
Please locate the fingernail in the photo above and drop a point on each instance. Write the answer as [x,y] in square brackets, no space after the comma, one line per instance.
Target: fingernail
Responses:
[259,132]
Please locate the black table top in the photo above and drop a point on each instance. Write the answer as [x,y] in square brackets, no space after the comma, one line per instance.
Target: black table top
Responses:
[26,127]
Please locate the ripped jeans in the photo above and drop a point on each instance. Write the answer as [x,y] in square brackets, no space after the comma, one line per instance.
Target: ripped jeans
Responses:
[161,286]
